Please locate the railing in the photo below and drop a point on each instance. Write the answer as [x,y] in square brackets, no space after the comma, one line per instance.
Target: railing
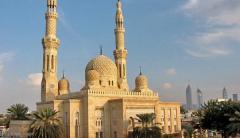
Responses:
[107,92]
[121,93]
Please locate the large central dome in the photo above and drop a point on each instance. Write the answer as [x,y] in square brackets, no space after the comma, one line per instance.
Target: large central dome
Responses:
[106,68]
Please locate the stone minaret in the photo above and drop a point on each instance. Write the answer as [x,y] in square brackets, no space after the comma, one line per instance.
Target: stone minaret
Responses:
[120,53]
[50,46]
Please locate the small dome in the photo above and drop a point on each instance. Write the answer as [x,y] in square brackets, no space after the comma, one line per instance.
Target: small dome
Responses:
[106,68]
[141,82]
[63,86]
[92,75]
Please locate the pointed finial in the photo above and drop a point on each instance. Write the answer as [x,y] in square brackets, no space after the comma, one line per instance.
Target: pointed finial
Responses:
[63,75]
[119,4]
[101,50]
[140,69]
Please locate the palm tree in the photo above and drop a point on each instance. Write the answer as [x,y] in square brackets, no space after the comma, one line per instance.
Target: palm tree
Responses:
[18,112]
[146,119]
[148,128]
[46,124]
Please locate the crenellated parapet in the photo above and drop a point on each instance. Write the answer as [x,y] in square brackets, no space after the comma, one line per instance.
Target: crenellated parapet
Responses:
[49,42]
[120,53]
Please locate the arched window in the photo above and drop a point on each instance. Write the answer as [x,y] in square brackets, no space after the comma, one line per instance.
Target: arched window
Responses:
[120,70]
[52,62]
[47,62]
[124,70]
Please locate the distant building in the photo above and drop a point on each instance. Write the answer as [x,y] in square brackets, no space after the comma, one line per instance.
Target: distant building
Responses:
[225,95]
[199,98]
[2,131]
[189,97]
[221,100]
[235,97]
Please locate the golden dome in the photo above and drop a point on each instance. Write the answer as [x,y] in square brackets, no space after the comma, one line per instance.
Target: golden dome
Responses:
[92,75]
[63,85]
[141,82]
[105,67]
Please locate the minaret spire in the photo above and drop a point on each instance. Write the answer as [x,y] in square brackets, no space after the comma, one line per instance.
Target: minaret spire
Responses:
[120,53]
[140,70]
[101,50]
[50,46]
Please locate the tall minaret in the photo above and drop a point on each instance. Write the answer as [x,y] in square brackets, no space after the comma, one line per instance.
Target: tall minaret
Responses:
[120,53]
[50,46]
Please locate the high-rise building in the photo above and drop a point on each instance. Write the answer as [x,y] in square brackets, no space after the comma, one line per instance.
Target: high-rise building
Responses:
[189,97]
[225,95]
[235,97]
[199,98]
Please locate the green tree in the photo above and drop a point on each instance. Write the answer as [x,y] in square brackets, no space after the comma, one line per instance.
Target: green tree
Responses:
[183,110]
[46,124]
[18,112]
[189,129]
[234,126]
[148,129]
[216,115]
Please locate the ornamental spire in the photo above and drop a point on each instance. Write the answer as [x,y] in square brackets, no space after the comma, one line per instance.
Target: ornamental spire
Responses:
[101,50]
[119,16]
[140,69]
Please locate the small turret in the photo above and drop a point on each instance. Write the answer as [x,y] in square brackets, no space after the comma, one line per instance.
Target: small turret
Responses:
[141,83]
[63,86]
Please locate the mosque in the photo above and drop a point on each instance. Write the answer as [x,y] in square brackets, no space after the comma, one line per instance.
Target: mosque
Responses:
[103,108]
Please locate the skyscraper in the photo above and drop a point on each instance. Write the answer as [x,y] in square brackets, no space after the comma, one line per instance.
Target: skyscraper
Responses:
[199,97]
[189,97]
[225,95]
[235,97]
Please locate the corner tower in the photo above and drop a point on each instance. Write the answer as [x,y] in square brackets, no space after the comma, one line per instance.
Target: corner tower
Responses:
[49,86]
[120,53]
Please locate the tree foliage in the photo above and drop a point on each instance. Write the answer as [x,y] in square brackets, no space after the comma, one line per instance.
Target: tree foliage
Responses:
[148,129]
[46,124]
[183,110]
[220,116]
[234,127]
[18,112]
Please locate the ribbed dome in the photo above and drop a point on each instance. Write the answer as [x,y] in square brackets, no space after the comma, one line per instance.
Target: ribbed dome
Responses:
[141,80]
[105,67]
[63,85]
[92,75]
[141,83]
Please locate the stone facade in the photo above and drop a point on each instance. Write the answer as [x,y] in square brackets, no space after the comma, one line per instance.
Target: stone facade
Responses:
[19,129]
[103,108]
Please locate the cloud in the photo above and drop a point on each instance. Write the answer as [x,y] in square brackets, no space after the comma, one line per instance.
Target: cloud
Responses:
[171,72]
[34,79]
[221,12]
[220,21]
[208,52]
[167,85]
[190,4]
[4,57]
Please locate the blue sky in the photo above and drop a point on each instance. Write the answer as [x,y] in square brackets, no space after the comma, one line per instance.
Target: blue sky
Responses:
[175,42]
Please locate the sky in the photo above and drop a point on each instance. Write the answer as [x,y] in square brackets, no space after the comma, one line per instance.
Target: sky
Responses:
[175,42]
